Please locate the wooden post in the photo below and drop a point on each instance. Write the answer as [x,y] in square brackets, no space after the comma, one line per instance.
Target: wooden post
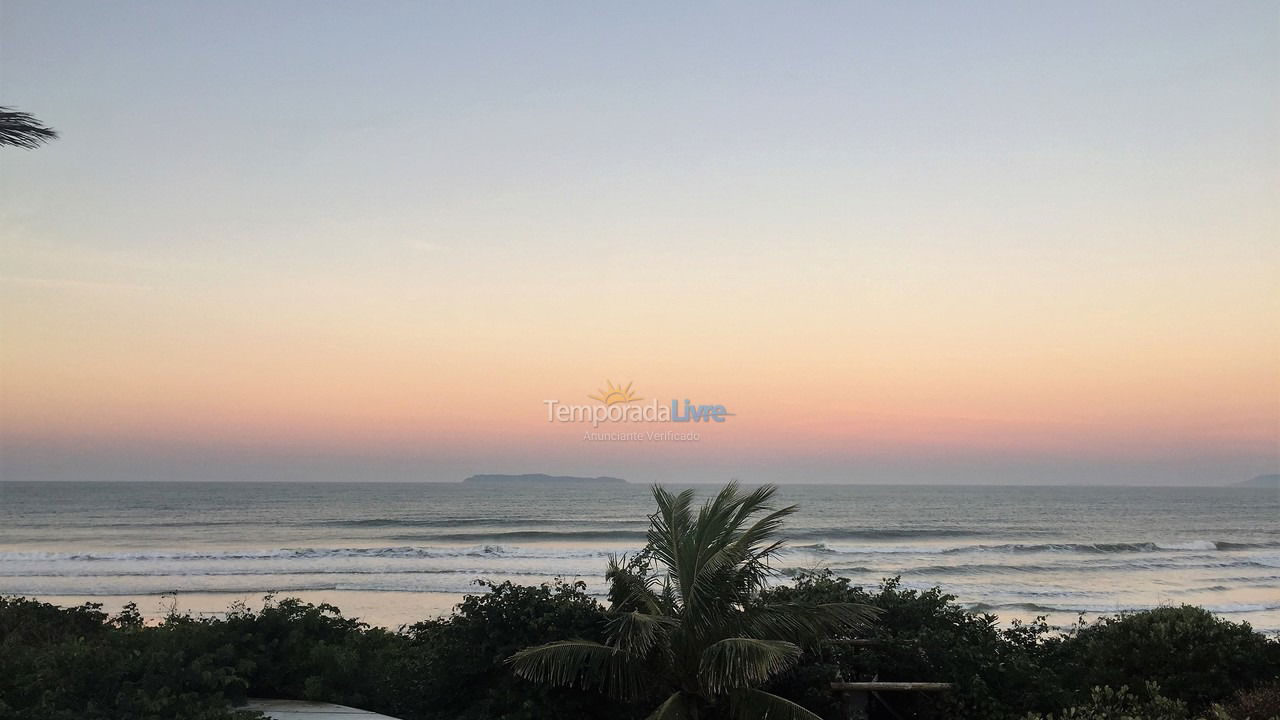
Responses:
[886,686]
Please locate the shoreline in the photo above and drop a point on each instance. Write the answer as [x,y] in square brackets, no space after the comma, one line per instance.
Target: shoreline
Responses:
[391,609]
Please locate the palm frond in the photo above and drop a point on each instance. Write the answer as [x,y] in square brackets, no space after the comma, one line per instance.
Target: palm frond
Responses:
[741,662]
[679,706]
[581,663]
[631,589]
[687,618]
[727,554]
[636,633]
[19,129]
[750,704]
[756,501]
[806,623]
[669,530]
[755,547]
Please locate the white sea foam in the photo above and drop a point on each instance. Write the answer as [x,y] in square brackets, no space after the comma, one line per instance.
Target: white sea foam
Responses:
[1103,549]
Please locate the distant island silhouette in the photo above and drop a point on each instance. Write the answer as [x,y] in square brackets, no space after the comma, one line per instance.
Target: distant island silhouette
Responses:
[1261,481]
[541,478]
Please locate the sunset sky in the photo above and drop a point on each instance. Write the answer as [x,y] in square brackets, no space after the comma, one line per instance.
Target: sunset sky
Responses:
[1007,242]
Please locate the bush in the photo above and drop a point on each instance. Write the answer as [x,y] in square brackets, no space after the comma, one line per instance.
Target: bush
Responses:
[1112,704]
[925,637]
[464,672]
[293,649]
[78,664]
[65,663]
[1260,703]
[1194,655]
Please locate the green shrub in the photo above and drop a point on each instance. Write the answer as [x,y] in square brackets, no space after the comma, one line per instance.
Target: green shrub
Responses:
[924,637]
[464,674]
[78,664]
[1121,704]
[1195,656]
[1260,703]
[73,663]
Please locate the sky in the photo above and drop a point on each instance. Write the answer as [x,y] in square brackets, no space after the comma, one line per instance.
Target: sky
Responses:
[900,242]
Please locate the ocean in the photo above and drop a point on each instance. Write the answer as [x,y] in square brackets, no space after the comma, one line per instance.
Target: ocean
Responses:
[397,553]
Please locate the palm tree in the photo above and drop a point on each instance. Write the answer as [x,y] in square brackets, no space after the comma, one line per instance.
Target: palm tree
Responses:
[696,635]
[20,129]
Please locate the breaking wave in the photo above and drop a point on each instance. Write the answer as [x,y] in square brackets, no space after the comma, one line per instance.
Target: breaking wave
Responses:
[1082,548]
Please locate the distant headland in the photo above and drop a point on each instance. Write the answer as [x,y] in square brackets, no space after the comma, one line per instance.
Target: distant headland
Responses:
[1261,481]
[541,478]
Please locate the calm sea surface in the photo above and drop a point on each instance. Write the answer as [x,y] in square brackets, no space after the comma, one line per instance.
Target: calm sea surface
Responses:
[395,553]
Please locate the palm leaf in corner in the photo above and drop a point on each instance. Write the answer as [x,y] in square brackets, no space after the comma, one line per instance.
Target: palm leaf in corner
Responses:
[19,129]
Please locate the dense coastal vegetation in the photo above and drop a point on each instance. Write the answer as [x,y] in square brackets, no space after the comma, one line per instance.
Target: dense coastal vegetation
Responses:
[689,626]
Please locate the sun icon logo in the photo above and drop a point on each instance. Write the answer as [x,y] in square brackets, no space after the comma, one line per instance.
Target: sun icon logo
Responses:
[615,394]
